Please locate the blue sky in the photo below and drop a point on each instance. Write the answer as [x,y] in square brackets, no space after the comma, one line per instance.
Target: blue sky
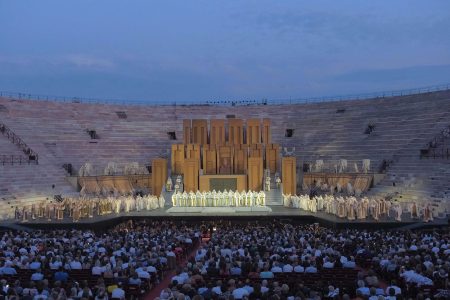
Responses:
[230,50]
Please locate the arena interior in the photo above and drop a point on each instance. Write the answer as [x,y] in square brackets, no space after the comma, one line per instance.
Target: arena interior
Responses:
[322,200]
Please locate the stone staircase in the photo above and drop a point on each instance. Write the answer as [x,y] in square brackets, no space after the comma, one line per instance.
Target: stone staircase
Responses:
[274,197]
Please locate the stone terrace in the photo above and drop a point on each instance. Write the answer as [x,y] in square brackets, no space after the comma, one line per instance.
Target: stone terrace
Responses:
[58,133]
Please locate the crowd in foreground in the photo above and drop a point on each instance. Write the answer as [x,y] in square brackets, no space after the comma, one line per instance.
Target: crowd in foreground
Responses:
[283,261]
[241,260]
[130,254]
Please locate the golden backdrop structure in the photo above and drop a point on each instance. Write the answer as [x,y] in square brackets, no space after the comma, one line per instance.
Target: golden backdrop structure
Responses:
[289,175]
[159,175]
[225,148]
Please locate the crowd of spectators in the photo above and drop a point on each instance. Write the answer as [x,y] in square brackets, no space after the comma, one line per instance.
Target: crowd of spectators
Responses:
[239,260]
[129,257]
[283,261]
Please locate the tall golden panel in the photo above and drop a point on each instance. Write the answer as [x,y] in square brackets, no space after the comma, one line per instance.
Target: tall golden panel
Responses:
[191,172]
[272,157]
[200,132]
[255,173]
[193,151]
[225,160]
[209,159]
[253,131]
[289,175]
[187,132]
[266,134]
[256,150]
[240,159]
[159,175]
[217,132]
[177,158]
[235,132]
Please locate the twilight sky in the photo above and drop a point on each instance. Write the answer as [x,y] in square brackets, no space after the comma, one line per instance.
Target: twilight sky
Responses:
[228,50]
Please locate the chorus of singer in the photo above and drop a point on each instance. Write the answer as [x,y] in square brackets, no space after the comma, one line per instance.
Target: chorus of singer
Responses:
[81,207]
[215,199]
[353,208]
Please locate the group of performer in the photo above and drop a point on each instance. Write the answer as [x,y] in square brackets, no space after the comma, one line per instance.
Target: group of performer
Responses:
[215,199]
[353,208]
[83,207]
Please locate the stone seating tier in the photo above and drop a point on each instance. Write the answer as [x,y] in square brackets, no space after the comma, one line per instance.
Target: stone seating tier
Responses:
[57,131]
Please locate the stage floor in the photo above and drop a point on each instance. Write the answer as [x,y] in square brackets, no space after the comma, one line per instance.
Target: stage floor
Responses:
[212,213]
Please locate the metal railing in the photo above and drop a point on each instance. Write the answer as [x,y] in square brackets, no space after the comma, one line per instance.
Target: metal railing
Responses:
[222,102]
[16,140]
[16,160]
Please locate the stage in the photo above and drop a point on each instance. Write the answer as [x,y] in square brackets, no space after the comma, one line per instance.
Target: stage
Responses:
[198,214]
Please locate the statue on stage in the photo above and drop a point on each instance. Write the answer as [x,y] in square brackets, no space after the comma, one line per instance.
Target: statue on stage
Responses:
[169,184]
[350,190]
[178,184]
[86,170]
[225,166]
[365,165]
[111,169]
[319,165]
[342,165]
[278,180]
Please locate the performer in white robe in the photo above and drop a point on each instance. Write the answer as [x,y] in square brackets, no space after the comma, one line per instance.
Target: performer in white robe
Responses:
[350,207]
[427,213]
[224,198]
[117,203]
[236,198]
[250,199]
[341,208]
[209,199]
[184,199]
[414,210]
[268,183]
[138,203]
[398,212]
[374,207]
[242,198]
[286,201]
[313,205]
[162,201]
[179,198]
[174,199]
[304,202]
[319,203]
[192,199]
[388,207]
[215,198]
[220,198]
[198,199]
[335,206]
[262,198]
[257,199]
[230,198]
